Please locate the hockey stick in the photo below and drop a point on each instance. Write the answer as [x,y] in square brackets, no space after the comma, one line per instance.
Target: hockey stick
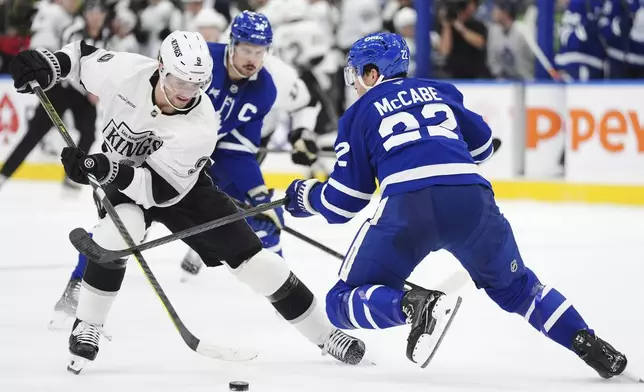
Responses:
[84,243]
[320,153]
[328,250]
[195,344]
[496,144]
[315,243]
[541,57]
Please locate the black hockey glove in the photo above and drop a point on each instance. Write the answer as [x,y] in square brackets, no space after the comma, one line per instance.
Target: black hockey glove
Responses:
[305,150]
[77,165]
[38,65]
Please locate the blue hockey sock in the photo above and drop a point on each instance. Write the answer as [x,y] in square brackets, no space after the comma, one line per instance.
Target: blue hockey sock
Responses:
[552,314]
[368,306]
[79,270]
[545,308]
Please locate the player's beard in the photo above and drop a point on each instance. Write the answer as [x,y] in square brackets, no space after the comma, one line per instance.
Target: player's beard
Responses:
[249,70]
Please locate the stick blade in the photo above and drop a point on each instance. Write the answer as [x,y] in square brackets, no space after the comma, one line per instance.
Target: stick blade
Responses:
[225,353]
[84,243]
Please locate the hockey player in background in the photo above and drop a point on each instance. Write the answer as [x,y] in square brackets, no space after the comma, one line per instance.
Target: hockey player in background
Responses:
[622,29]
[303,43]
[245,94]
[582,54]
[67,96]
[423,146]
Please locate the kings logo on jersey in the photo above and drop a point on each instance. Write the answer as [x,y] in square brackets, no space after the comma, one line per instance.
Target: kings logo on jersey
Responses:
[122,140]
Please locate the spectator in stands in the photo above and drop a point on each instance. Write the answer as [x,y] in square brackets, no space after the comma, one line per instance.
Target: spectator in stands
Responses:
[508,54]
[391,8]
[158,20]
[11,43]
[357,19]
[404,23]
[123,40]
[211,24]
[463,40]
[190,10]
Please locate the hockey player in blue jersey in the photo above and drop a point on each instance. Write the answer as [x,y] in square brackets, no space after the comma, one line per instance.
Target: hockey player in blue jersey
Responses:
[581,53]
[622,29]
[243,95]
[416,138]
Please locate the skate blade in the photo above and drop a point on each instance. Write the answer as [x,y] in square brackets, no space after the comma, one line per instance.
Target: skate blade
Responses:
[444,312]
[61,321]
[632,377]
[76,364]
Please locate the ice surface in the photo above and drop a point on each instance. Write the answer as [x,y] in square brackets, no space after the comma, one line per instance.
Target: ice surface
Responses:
[593,254]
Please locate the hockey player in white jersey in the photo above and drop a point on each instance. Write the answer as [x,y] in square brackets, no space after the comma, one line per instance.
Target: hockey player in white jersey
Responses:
[159,131]
[295,101]
[302,42]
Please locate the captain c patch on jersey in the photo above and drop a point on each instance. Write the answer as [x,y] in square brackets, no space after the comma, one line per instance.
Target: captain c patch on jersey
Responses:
[136,145]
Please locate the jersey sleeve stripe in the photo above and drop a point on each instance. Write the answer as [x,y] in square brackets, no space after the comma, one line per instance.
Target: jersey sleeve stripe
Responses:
[162,190]
[243,140]
[574,57]
[444,169]
[335,209]
[484,157]
[482,149]
[234,147]
[348,191]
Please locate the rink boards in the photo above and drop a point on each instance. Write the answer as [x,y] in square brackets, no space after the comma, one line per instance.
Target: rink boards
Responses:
[598,126]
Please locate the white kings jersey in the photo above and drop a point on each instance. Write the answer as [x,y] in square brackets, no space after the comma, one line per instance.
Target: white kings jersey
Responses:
[300,42]
[292,94]
[167,151]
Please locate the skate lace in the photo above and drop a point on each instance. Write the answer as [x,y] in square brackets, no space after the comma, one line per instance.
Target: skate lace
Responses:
[75,288]
[89,334]
[338,344]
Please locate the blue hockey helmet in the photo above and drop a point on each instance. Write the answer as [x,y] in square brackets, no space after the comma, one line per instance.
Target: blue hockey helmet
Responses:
[387,51]
[253,28]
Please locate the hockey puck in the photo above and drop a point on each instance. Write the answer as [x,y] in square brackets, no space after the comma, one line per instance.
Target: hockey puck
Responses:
[238,386]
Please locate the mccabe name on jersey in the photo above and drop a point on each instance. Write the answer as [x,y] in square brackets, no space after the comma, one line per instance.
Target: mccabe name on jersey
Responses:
[407,134]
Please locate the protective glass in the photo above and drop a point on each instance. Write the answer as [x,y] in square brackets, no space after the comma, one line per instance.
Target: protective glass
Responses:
[349,76]
[182,87]
[250,52]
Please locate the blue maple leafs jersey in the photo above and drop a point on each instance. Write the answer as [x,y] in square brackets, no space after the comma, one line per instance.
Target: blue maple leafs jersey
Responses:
[579,35]
[408,134]
[242,106]
[622,26]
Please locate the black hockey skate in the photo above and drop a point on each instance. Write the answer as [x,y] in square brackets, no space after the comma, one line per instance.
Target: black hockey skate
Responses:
[83,345]
[430,314]
[191,265]
[343,347]
[598,354]
[65,308]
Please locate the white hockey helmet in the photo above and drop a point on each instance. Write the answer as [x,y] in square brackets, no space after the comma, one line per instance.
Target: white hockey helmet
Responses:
[208,17]
[185,63]
[279,12]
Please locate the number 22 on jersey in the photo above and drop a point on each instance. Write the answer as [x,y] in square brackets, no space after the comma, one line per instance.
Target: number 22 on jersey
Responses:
[404,127]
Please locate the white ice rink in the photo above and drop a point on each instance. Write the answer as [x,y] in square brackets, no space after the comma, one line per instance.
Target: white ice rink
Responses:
[592,254]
